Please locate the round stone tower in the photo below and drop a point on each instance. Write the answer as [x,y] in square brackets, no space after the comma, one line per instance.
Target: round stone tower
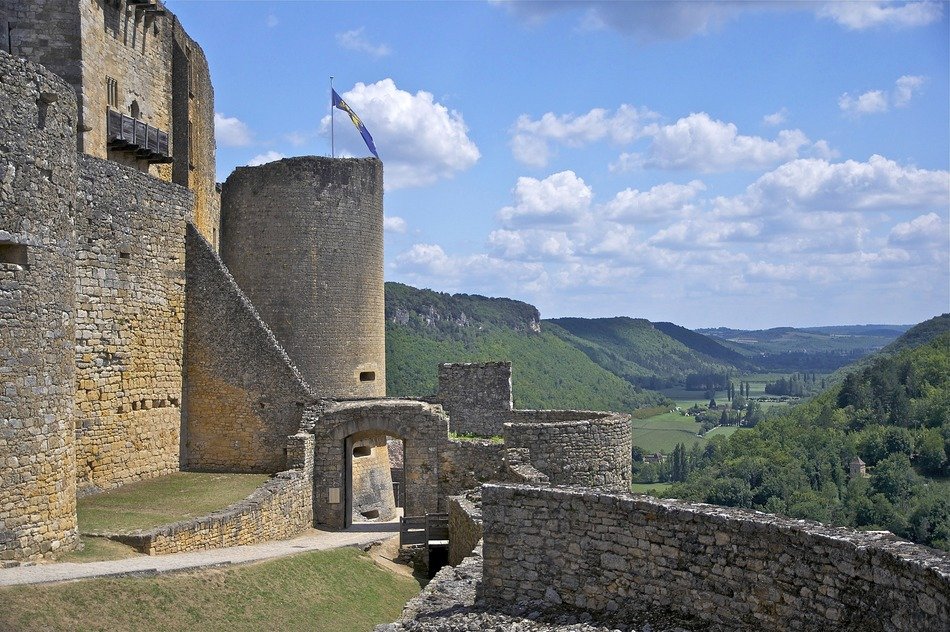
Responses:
[303,238]
[37,332]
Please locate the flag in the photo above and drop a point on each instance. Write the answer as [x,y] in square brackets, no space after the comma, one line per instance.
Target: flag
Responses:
[342,105]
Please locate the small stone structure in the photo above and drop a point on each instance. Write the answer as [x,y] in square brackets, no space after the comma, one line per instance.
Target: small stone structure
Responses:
[476,396]
[731,568]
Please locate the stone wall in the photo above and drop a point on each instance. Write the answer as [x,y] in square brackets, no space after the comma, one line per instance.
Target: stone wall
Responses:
[477,396]
[465,525]
[303,238]
[467,464]
[734,569]
[279,509]
[243,396]
[89,42]
[373,498]
[592,449]
[130,299]
[37,319]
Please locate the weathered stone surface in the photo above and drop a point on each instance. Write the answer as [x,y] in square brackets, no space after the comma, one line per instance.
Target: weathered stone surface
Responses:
[373,498]
[303,238]
[476,396]
[604,553]
[243,394]
[130,301]
[465,525]
[37,316]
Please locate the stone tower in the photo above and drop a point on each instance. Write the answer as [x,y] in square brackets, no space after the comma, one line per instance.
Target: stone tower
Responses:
[37,243]
[303,238]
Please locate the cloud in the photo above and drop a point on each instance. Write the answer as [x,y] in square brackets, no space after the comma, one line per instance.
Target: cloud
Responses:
[775,119]
[867,14]
[420,141]
[230,131]
[661,202]
[559,199]
[814,184]
[394,224]
[655,20]
[698,142]
[272,21]
[355,40]
[269,156]
[924,229]
[531,139]
[877,101]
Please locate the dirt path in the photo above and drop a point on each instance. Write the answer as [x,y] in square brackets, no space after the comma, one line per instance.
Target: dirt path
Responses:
[312,540]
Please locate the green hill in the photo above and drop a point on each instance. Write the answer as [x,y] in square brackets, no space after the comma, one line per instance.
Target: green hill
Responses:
[425,328]
[636,350]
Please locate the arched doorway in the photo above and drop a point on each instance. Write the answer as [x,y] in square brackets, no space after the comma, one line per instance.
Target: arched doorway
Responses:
[423,429]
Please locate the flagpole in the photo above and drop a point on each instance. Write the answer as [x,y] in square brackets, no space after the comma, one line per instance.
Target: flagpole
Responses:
[332,139]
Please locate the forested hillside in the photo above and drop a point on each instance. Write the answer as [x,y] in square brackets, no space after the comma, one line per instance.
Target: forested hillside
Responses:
[636,350]
[425,328]
[894,414]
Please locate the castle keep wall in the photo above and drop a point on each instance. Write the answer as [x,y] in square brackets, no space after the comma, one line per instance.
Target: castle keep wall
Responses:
[477,396]
[372,480]
[37,238]
[735,569]
[303,238]
[573,447]
[243,396]
[130,282]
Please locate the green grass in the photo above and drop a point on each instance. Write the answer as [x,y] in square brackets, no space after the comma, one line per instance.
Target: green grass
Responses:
[661,433]
[720,431]
[163,500]
[324,591]
[649,488]
[99,549]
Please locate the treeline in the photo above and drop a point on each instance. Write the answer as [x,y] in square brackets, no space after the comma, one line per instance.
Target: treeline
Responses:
[796,385]
[894,415]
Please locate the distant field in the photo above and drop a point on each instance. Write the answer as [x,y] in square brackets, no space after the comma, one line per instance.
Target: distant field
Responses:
[661,433]
[647,488]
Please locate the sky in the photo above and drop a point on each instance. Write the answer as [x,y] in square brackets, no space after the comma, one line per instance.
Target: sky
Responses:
[739,164]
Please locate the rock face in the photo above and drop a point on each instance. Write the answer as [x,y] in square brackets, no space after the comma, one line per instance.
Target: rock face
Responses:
[303,238]
[37,316]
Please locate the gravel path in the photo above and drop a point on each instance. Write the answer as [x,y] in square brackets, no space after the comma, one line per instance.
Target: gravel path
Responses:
[313,540]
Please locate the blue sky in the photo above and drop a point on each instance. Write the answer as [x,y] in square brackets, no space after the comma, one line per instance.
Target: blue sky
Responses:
[738,164]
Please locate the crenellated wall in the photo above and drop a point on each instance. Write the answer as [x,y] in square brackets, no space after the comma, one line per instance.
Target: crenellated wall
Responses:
[130,312]
[734,569]
[37,314]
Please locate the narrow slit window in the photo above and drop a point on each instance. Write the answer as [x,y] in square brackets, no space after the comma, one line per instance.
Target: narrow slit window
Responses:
[367,376]
[14,253]
[112,92]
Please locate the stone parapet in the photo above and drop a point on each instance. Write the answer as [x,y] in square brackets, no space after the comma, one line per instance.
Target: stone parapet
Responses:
[465,525]
[476,395]
[734,569]
[281,508]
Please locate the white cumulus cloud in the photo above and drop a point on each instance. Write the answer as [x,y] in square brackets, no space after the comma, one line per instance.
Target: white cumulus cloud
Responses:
[559,199]
[776,118]
[356,40]
[394,224]
[269,156]
[419,140]
[877,101]
[664,201]
[924,229]
[704,144]
[230,131]
[531,139]
[865,14]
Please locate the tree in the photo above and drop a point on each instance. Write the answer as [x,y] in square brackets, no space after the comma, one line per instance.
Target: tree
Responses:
[636,454]
[931,454]
[895,478]
[724,421]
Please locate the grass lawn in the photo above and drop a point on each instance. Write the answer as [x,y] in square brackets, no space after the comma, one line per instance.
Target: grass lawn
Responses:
[723,431]
[324,591]
[162,500]
[661,433]
[648,488]
[99,549]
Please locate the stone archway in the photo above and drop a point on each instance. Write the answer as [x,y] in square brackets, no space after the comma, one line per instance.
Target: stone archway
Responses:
[423,429]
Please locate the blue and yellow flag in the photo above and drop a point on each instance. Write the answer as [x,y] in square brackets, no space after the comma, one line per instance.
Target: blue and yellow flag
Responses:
[367,138]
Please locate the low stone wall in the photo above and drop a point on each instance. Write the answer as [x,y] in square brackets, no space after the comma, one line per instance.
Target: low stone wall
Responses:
[572,447]
[465,525]
[468,463]
[279,509]
[734,569]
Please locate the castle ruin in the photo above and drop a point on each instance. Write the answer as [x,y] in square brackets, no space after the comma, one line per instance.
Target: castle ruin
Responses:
[150,324]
